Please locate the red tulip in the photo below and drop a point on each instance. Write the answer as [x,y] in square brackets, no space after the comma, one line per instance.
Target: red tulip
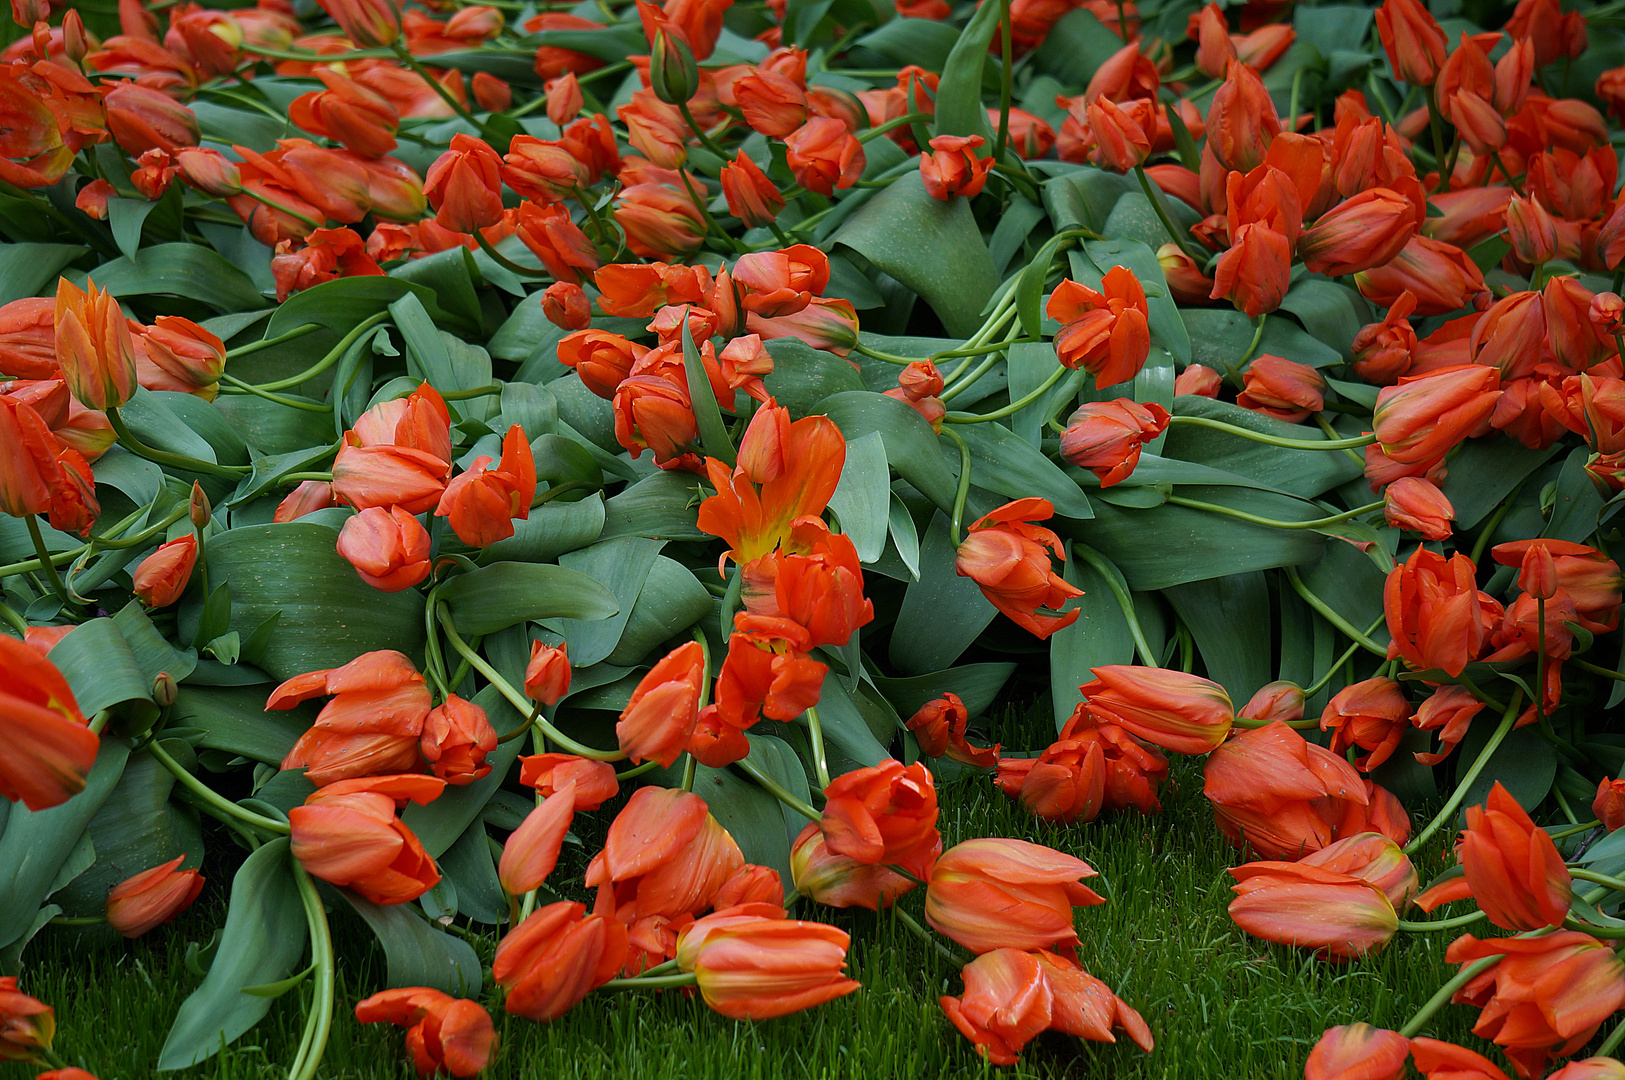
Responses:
[388,548]
[443,1033]
[1437,618]
[1372,715]
[1279,794]
[464,185]
[1414,504]
[152,898]
[840,881]
[1176,711]
[163,575]
[881,814]
[755,968]
[348,834]
[1106,331]
[555,958]
[1009,558]
[657,721]
[996,893]
[50,750]
[456,739]
[1425,416]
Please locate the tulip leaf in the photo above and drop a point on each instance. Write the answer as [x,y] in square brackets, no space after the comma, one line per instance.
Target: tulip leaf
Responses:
[976,684]
[1305,473]
[959,108]
[1483,474]
[707,414]
[417,954]
[1331,312]
[904,536]
[150,417]
[234,720]
[1229,617]
[802,376]
[469,867]
[450,275]
[863,494]
[931,246]
[1100,636]
[925,42]
[758,822]
[611,43]
[620,566]
[189,271]
[264,937]
[1525,764]
[671,600]
[342,304]
[911,445]
[1030,288]
[1075,48]
[104,673]
[1004,462]
[1085,196]
[664,506]
[846,732]
[492,597]
[125,218]
[25,269]
[1576,503]
[551,530]
[942,613]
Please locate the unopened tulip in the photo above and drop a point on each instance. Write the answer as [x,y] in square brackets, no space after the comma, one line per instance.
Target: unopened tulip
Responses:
[1415,45]
[1256,272]
[1198,380]
[952,168]
[1009,558]
[1335,914]
[1174,710]
[660,716]
[564,100]
[555,958]
[444,1034]
[1106,331]
[1358,1052]
[593,782]
[1425,416]
[93,347]
[1282,389]
[532,850]
[1413,503]
[547,674]
[152,898]
[456,738]
[141,119]
[369,24]
[184,351]
[1106,437]
[1609,805]
[840,881]
[659,221]
[1531,230]
[1364,231]
[754,968]
[823,155]
[751,196]
[50,750]
[1241,120]
[163,575]
[348,113]
[464,185]
[1440,275]
[1279,794]
[994,893]
[348,834]
[565,305]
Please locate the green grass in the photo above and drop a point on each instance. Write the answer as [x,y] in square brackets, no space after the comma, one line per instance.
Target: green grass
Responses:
[1218,1002]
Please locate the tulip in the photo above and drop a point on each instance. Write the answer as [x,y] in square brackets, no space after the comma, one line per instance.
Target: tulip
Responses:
[456,739]
[1198,381]
[369,24]
[1372,715]
[1609,805]
[560,244]
[348,113]
[1282,389]
[654,412]
[448,1034]
[371,726]
[1106,437]
[27,1025]
[547,674]
[1119,137]
[1176,711]
[1576,340]
[602,360]
[93,346]
[327,255]
[532,849]
[1594,1068]
[751,196]
[384,475]
[1447,1062]
[555,958]
[1589,579]
[772,104]
[952,168]
[1512,868]
[481,503]
[152,898]
[388,548]
[823,155]
[1009,559]
[767,672]
[1365,231]
[664,856]
[1241,120]
[939,725]
[1436,615]
[995,893]
[28,338]
[1337,915]
[787,471]
[659,221]
[594,781]
[1214,49]
[1358,1052]
[1425,416]
[1546,996]
[1279,794]
[819,585]
[1414,504]
[1256,272]
[50,750]
[142,119]
[565,305]
[348,834]
[564,100]
[1006,1004]
[1440,275]
[542,170]
[753,968]
[1413,41]
[309,497]
[184,351]
[1106,332]
[464,185]
[750,887]
[840,881]
[660,716]
[163,575]
[29,474]
[882,813]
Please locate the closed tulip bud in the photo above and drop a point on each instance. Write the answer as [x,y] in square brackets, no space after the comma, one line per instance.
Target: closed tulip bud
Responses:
[1176,711]
[1415,44]
[163,575]
[348,113]
[751,196]
[210,171]
[309,497]
[491,94]
[1282,389]
[1198,381]
[152,898]
[74,43]
[564,100]
[565,306]
[1439,275]
[1538,574]
[348,834]
[1609,805]
[823,155]
[657,721]
[50,750]
[1242,120]
[164,689]
[198,508]
[142,119]
[27,1025]
[369,24]
[659,221]
[1009,559]
[389,548]
[1436,615]
[673,75]
[547,675]
[1214,49]
[532,850]
[1531,231]
[1275,701]
[1413,503]
[93,346]
[555,958]
[1362,232]
[1607,313]
[755,968]
[464,185]
[655,129]
[1121,138]
[1256,272]
[184,351]
[999,893]
[1338,915]
[456,739]
[1106,437]
[1425,416]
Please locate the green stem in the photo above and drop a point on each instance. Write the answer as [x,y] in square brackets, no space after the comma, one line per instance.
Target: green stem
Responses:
[962,492]
[1272,440]
[1318,523]
[1258,338]
[815,734]
[320,1021]
[1584,826]
[699,132]
[14,620]
[778,791]
[332,356]
[1006,54]
[1583,665]
[1610,1044]
[1124,600]
[505,262]
[1438,1000]
[317,58]
[1320,683]
[164,457]
[889,358]
[636,771]
[44,558]
[1012,408]
[1436,126]
[1472,688]
[78,920]
[1155,196]
[1331,616]
[518,700]
[892,125]
[1441,924]
[1448,811]
[287,402]
[266,343]
[1540,662]
[690,767]
[970,380]
[1513,184]
[659,982]
[405,56]
[1614,883]
[212,798]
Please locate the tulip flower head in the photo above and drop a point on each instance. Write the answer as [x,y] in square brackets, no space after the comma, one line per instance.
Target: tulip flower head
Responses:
[660,717]
[50,748]
[1174,710]
[994,893]
[1009,558]
[348,833]
[555,958]
[755,968]
[481,503]
[1511,868]
[882,813]
[664,856]
[456,738]
[1106,437]
[152,898]
[93,346]
[443,1033]
[372,724]
[1353,1051]
[841,881]
[1279,794]
[27,1025]
[532,850]
[594,781]
[1105,331]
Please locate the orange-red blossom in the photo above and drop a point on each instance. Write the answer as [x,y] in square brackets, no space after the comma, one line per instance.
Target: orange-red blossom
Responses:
[995,893]
[443,1033]
[1511,868]
[347,833]
[372,724]
[1104,331]
[1009,558]
[882,813]
[1175,710]
[152,898]
[49,748]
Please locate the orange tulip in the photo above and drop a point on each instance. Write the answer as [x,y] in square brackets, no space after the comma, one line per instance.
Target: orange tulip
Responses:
[751,196]
[1531,230]
[547,674]
[28,338]
[1468,217]
[93,347]
[555,958]
[994,893]
[1588,578]
[767,672]
[1340,901]
[1372,715]
[754,968]
[1009,559]
[532,850]
[482,502]
[309,497]
[348,834]
[1106,437]
[184,351]
[543,170]
[141,119]
[1279,794]
[659,221]
[657,721]
[386,475]
[1425,416]
[1176,711]
[566,306]
[28,467]
[823,155]
[1364,231]
[1576,340]
[1198,380]
[560,244]
[327,255]
[1444,1061]
[594,781]
[1105,332]
[952,168]
[1545,998]
[443,1033]
[664,856]
[882,813]
[1413,41]
[1241,120]
[464,185]
[840,881]
[27,1025]
[371,726]
[1093,765]
[939,725]
[1414,504]
[1437,618]
[786,471]
[564,99]
[1256,272]
[817,583]
[1282,389]
[370,24]
[602,360]
[1511,868]
[164,575]
[348,113]
[50,750]
[456,738]
[1358,1052]
[1609,805]
[1006,1004]
[772,104]
[152,898]
[388,548]
[1440,275]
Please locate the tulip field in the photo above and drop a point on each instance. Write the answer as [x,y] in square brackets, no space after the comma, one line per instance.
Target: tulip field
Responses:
[715,538]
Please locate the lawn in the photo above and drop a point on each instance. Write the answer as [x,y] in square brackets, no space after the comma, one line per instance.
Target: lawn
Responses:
[1218,1002]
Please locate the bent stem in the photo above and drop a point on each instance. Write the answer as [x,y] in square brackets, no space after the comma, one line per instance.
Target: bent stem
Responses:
[1442,924]
[778,790]
[699,132]
[925,935]
[815,733]
[505,262]
[1124,601]
[320,1021]
[962,493]
[405,56]
[1273,440]
[1155,196]
[1610,1044]
[1012,408]
[1614,883]
[1319,684]
[266,343]
[332,356]
[44,558]
[1331,616]
[164,457]
[1449,809]
[291,403]
[1438,1000]
[1318,523]
[212,799]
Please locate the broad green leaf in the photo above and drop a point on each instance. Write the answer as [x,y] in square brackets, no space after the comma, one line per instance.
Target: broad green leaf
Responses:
[26,269]
[931,246]
[759,823]
[450,275]
[1524,763]
[1229,617]
[1004,462]
[959,108]
[469,866]
[1099,637]
[1029,365]
[671,600]
[125,218]
[1085,196]
[233,719]
[846,733]
[190,271]
[1075,47]
[1483,473]
[620,566]
[342,304]
[428,354]
[417,954]
[1333,313]
[1576,502]
[863,494]
[1220,336]
[707,414]
[942,612]
[911,445]
[551,530]
[803,376]
[492,597]
[611,43]
[104,674]
[904,536]
[1304,473]
[1350,584]
[976,684]
[664,505]
[1012,231]
[150,417]
[264,936]
[913,41]
[1030,288]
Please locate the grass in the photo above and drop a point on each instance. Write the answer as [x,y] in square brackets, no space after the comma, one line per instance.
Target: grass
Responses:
[1219,1003]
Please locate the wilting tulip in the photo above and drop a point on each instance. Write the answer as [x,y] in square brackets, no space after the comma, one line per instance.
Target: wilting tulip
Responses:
[881,814]
[163,575]
[1440,275]
[481,503]
[184,351]
[1545,997]
[1365,231]
[1282,389]
[755,968]
[1415,45]
[152,898]
[142,119]
[664,857]
[1372,715]
[995,893]
[532,850]
[751,196]
[840,881]
[602,360]
[1199,381]
[348,834]
[464,185]
[1241,120]
[1425,416]
[327,255]
[939,725]
[767,672]
[1436,615]
[370,727]
[27,1025]
[592,781]
[443,1033]
[93,347]
[1358,1052]
[1276,792]
[1009,558]
[348,113]
[369,24]
[1174,710]
[823,155]
[555,958]
[1512,869]
[50,750]
[1413,503]
[1609,805]
[1106,331]
[1106,437]
[657,721]
[547,675]
[456,738]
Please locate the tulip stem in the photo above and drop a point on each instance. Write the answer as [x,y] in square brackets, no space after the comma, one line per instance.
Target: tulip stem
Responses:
[78,920]
[690,766]
[518,700]
[636,771]
[505,262]
[644,982]
[14,620]
[1438,1000]
[320,1021]
[778,790]
[1275,440]
[1513,184]
[1448,811]
[211,799]
[266,343]
[315,57]
[962,492]
[164,457]
[1007,58]
[1614,883]
[44,557]
[1155,196]
[332,356]
[1331,616]
[892,125]
[902,873]
[1441,924]
[405,56]
[1317,523]
[699,131]
[1252,346]
[1583,665]
[1012,408]
[292,403]
[1124,600]
[1435,125]
[923,934]
[815,735]
[1319,684]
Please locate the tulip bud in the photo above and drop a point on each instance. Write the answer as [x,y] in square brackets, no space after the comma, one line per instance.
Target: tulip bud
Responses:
[25,13]
[1277,701]
[152,898]
[1609,805]
[673,75]
[1608,313]
[565,305]
[164,689]
[163,575]
[210,171]
[491,94]
[564,101]
[198,509]
[74,43]
[1538,574]
[547,676]
[1531,230]
[1199,381]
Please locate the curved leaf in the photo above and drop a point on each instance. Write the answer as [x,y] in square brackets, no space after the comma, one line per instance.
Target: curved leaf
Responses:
[492,597]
